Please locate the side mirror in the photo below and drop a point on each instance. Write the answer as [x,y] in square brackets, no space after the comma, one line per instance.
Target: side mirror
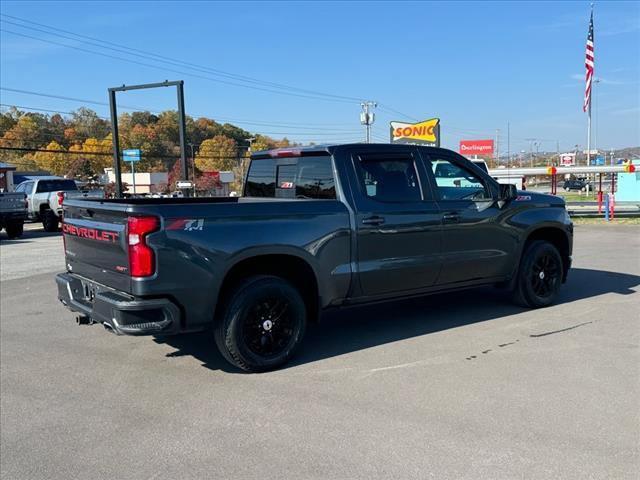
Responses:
[507,192]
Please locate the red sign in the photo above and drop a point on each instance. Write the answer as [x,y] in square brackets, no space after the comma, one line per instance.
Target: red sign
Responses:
[476,147]
[567,159]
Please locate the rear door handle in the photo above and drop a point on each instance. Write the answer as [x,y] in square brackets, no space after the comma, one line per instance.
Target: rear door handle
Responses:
[375,220]
[453,217]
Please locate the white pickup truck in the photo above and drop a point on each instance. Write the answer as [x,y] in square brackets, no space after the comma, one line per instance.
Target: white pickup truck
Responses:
[45,196]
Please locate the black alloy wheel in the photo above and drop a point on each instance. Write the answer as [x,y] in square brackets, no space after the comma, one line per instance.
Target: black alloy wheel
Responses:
[545,275]
[539,275]
[261,324]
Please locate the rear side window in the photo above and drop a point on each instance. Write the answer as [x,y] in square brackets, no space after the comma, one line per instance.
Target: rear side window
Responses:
[305,177]
[261,179]
[391,178]
[56,185]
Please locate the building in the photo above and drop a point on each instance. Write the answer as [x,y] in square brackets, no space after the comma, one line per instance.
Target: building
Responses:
[6,177]
[628,189]
[145,182]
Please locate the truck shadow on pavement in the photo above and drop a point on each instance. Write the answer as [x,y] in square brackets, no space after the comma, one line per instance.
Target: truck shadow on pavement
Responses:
[357,328]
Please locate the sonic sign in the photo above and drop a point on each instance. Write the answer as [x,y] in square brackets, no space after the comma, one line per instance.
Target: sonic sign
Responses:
[421,133]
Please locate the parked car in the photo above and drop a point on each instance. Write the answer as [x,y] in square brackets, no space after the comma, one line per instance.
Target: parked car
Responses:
[13,212]
[575,184]
[318,228]
[45,196]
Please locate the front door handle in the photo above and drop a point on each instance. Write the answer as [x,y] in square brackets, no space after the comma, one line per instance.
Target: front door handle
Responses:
[452,217]
[374,220]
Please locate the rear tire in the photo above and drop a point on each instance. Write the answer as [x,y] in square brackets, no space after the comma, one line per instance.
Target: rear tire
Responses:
[539,275]
[14,228]
[262,324]
[50,221]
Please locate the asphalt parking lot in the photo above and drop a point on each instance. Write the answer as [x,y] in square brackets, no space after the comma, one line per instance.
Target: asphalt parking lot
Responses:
[461,385]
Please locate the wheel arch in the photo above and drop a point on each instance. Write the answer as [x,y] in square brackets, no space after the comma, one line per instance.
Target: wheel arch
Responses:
[555,235]
[289,266]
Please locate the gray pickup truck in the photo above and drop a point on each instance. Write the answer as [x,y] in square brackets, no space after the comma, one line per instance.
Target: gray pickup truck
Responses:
[13,213]
[317,228]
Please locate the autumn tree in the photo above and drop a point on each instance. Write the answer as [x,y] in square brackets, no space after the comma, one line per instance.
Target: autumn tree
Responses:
[97,153]
[217,153]
[51,160]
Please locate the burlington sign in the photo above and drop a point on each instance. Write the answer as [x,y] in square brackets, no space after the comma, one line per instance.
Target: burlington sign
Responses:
[426,132]
[476,147]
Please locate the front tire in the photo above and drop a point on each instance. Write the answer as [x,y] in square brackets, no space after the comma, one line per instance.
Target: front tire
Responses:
[50,221]
[15,228]
[539,275]
[262,324]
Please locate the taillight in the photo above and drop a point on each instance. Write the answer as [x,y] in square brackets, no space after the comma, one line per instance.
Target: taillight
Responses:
[60,198]
[285,153]
[64,239]
[142,262]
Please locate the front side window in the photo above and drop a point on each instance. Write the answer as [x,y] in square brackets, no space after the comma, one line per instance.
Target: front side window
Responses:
[389,179]
[455,182]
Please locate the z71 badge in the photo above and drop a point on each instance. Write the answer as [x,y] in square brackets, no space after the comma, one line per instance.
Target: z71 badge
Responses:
[186,224]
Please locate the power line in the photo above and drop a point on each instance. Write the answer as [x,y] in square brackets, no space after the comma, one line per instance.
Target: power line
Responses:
[6,105]
[140,109]
[181,72]
[164,59]
[71,99]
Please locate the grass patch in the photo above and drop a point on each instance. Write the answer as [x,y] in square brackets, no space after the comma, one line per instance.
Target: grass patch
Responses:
[602,221]
[576,197]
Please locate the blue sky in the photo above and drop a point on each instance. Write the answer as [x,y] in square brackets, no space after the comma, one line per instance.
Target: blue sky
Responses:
[475,65]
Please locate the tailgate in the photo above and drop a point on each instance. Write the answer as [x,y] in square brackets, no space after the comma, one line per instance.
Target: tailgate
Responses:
[12,202]
[96,244]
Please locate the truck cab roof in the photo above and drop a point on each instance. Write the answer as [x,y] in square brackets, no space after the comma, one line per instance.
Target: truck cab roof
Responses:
[329,149]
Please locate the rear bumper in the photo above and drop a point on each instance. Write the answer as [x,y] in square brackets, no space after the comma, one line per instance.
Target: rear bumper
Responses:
[123,313]
[6,217]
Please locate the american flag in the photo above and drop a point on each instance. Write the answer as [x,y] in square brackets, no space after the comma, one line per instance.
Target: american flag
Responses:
[589,63]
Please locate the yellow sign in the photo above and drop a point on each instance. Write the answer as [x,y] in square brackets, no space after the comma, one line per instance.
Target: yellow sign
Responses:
[422,133]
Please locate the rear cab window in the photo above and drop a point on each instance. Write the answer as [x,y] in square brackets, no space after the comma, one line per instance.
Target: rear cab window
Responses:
[56,185]
[293,177]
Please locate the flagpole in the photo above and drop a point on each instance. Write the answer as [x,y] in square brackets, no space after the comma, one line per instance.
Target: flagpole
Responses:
[590,96]
[589,133]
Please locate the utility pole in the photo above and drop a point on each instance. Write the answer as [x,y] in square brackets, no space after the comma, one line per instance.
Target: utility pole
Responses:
[508,146]
[193,167]
[531,142]
[367,117]
[497,148]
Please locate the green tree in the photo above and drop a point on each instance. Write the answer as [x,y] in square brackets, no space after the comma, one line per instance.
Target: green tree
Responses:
[88,125]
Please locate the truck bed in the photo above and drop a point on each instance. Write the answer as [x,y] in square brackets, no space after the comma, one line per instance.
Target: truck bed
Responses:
[198,239]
